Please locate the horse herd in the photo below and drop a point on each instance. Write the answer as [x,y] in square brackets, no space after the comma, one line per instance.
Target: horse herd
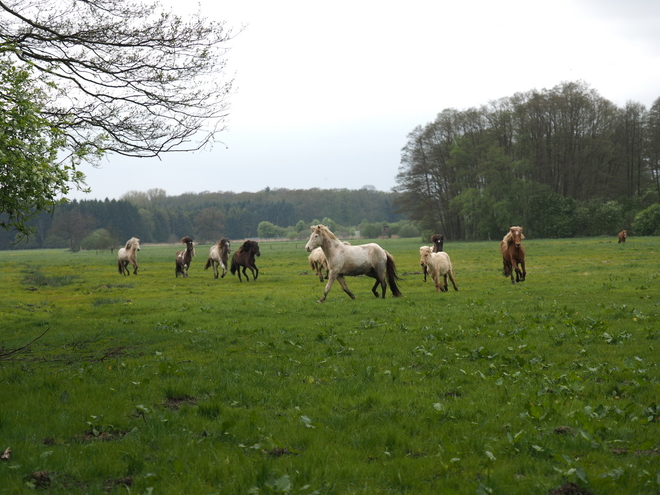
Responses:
[243,258]
[340,259]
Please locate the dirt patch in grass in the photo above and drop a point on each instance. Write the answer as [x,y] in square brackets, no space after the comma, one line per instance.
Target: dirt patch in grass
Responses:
[175,403]
[570,489]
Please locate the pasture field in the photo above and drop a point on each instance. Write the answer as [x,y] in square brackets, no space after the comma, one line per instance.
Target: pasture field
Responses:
[153,384]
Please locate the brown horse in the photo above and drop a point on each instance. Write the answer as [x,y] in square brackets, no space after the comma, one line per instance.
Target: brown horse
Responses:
[622,236]
[513,254]
[219,256]
[183,258]
[244,258]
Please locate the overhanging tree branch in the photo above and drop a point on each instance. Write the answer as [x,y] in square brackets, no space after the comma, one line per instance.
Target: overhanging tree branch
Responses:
[133,78]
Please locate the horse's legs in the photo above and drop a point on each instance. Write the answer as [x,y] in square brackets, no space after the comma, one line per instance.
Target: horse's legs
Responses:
[375,291]
[257,270]
[453,281]
[214,264]
[342,282]
[135,267]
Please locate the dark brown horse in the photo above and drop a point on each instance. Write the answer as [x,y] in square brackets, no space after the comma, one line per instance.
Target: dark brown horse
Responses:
[219,256]
[622,236]
[438,240]
[244,258]
[184,258]
[513,254]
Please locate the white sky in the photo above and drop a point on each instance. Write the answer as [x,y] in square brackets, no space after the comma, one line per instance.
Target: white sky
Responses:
[327,92]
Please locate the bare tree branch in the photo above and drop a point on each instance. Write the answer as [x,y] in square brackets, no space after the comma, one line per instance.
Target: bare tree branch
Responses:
[129,77]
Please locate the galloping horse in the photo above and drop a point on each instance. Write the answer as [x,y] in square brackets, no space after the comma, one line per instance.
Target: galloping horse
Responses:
[183,258]
[622,236]
[437,240]
[128,255]
[318,263]
[244,257]
[513,254]
[345,260]
[219,255]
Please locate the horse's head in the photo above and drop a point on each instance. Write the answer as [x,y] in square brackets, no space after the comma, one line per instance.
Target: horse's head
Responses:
[424,253]
[517,235]
[225,245]
[255,248]
[316,237]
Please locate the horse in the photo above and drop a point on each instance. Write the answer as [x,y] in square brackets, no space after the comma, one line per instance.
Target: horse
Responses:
[622,236]
[219,256]
[438,265]
[244,257]
[437,240]
[183,258]
[318,263]
[128,255]
[513,254]
[346,260]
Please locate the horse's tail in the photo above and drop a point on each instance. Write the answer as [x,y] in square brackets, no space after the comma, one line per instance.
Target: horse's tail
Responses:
[392,277]
[119,267]
[234,266]
[209,262]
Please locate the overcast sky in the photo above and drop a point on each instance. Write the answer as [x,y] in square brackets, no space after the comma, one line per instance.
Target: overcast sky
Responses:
[327,92]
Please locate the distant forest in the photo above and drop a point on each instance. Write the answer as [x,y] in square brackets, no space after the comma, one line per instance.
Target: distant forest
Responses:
[155,217]
[561,162]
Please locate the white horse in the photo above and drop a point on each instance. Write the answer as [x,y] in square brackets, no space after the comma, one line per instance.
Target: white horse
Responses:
[345,260]
[438,265]
[318,263]
[128,255]
[219,256]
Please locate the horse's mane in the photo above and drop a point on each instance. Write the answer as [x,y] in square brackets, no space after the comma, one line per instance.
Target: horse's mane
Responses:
[326,230]
[508,238]
[246,246]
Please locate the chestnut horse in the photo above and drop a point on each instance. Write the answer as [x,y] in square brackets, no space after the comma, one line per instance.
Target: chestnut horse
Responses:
[622,236]
[219,256]
[244,258]
[183,258]
[128,255]
[513,254]
[345,260]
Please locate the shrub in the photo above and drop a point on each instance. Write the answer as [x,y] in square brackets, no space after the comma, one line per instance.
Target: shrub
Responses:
[647,222]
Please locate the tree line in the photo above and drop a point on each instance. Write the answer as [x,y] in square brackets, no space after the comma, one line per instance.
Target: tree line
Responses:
[562,162]
[155,217]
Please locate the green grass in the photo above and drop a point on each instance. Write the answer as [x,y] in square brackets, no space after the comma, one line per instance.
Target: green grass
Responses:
[172,385]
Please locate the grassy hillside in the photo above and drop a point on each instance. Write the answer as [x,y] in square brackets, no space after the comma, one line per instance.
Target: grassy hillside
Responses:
[198,385]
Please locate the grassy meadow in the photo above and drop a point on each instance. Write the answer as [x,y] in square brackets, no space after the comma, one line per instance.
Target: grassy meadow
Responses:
[153,384]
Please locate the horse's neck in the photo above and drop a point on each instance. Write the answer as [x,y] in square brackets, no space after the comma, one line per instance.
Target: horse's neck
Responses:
[330,246]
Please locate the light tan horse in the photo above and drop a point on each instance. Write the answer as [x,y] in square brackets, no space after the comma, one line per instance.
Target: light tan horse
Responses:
[623,235]
[513,254]
[438,265]
[345,260]
[128,254]
[219,256]
[318,263]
